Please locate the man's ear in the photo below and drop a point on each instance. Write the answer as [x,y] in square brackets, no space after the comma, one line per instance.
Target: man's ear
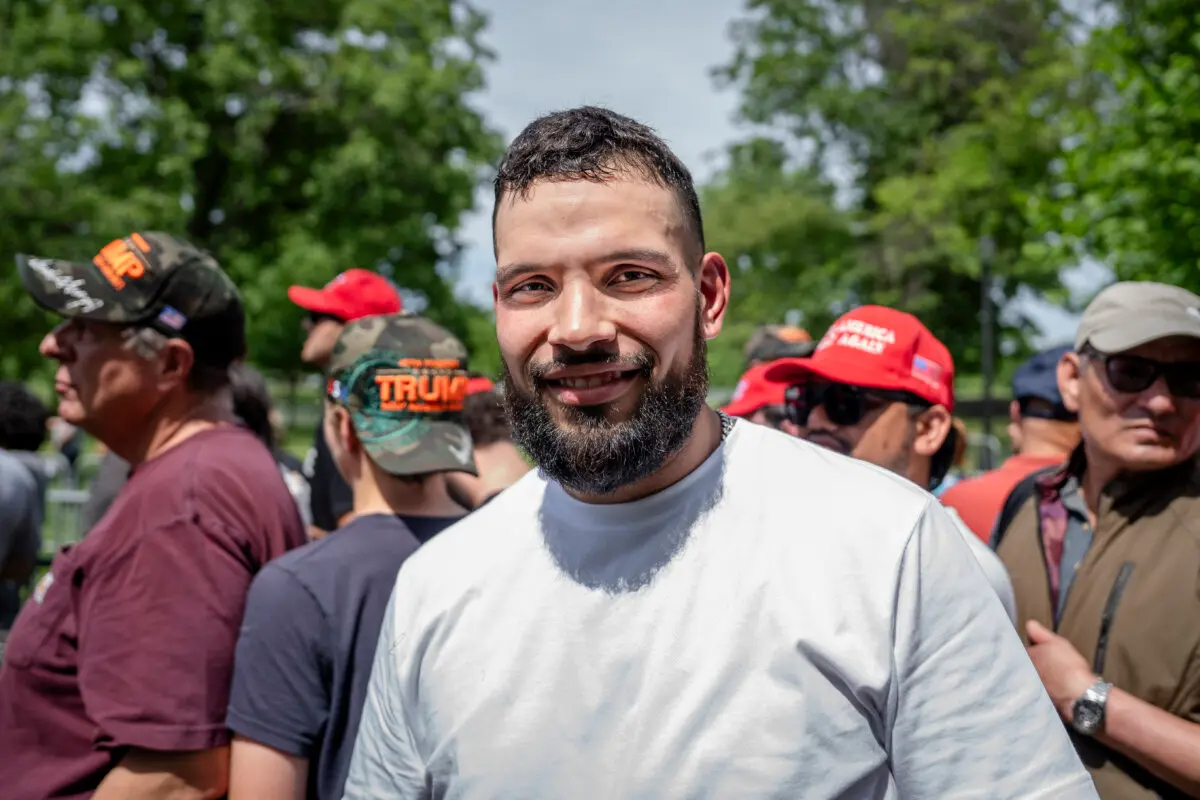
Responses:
[347,436]
[175,363]
[712,281]
[932,428]
[1070,378]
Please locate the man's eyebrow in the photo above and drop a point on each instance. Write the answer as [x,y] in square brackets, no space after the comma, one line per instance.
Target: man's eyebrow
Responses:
[512,271]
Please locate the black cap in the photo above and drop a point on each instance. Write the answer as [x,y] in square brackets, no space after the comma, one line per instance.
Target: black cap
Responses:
[150,279]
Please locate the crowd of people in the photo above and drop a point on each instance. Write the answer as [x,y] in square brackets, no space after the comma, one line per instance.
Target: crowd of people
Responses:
[765,600]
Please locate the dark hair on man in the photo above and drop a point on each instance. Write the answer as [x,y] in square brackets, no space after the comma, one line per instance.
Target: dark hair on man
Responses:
[22,418]
[252,402]
[594,144]
[483,414]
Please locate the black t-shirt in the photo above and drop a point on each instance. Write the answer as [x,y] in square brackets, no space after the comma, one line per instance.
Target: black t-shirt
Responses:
[308,641]
[331,497]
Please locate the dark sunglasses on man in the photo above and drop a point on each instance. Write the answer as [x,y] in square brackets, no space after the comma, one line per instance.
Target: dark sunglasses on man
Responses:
[845,405]
[1134,374]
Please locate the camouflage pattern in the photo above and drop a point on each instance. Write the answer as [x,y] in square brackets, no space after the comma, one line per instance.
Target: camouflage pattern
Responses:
[402,442]
[142,278]
[771,342]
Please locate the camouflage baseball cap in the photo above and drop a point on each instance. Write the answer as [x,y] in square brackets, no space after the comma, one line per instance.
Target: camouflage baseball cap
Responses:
[151,279]
[404,380]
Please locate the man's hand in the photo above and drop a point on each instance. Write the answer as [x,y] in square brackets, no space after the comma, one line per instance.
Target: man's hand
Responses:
[1064,672]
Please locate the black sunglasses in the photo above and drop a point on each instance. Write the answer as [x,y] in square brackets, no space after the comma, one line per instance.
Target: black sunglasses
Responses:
[845,405]
[1134,374]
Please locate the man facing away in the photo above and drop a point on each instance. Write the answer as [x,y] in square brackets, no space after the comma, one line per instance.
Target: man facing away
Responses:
[678,604]
[880,387]
[116,676]
[393,420]
[1104,551]
[353,294]
[1043,432]
[499,462]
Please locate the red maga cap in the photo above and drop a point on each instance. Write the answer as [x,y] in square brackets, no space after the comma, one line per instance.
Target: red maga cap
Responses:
[353,294]
[754,391]
[877,348]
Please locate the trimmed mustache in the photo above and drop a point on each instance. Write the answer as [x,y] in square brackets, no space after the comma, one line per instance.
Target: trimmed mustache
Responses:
[642,362]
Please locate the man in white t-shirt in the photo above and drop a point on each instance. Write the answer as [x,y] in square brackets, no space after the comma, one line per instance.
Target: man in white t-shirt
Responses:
[677,605]
[880,387]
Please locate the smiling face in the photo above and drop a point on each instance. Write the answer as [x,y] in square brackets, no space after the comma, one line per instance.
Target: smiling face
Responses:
[603,306]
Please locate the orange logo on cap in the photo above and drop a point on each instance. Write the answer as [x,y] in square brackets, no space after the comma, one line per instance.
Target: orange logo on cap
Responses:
[123,259]
[427,386]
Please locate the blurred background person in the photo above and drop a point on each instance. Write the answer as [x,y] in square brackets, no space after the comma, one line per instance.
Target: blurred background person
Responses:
[772,342]
[498,460]
[761,401]
[23,430]
[880,388]
[353,294]
[1043,432]
[252,404]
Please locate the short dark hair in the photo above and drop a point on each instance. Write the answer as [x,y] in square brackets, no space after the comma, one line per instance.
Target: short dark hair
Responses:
[252,401]
[22,418]
[483,412]
[594,144]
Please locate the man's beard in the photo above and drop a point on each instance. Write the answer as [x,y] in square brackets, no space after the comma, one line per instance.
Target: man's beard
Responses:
[588,452]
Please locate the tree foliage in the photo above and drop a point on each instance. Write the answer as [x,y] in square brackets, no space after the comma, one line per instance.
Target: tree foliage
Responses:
[291,140]
[1127,191]
[934,118]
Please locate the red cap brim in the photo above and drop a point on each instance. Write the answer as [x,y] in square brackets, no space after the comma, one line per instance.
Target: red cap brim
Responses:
[742,408]
[314,300]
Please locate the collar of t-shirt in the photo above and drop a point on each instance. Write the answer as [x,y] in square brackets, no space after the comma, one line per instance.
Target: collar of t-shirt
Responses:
[621,546]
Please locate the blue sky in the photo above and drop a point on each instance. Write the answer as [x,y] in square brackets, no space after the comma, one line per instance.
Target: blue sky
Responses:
[650,60]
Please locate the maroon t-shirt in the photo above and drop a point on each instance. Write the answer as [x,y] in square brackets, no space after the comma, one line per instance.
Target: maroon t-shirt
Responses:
[129,641]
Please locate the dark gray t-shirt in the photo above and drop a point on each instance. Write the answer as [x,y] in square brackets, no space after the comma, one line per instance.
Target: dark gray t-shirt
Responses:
[308,640]
[22,507]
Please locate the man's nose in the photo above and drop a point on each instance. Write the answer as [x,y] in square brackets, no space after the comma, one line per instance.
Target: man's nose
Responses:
[1158,398]
[52,345]
[581,318]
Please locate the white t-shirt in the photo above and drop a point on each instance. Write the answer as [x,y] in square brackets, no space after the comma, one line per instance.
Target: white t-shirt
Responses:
[784,622]
[993,568]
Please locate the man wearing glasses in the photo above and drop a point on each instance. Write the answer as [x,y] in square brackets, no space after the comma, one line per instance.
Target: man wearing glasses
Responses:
[1104,552]
[354,294]
[880,388]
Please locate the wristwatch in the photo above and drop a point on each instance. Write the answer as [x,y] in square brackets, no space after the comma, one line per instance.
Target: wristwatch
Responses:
[1087,713]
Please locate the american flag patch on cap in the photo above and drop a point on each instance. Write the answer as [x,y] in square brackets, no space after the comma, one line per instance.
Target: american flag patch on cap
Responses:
[172,318]
[925,370]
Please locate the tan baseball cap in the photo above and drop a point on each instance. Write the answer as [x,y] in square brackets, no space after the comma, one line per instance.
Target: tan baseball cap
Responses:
[1131,313]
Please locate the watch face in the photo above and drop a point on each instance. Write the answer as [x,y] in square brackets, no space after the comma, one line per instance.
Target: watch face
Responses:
[1087,714]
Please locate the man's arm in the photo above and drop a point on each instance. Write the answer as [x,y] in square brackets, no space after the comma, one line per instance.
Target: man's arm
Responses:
[279,702]
[967,714]
[259,772]
[1163,743]
[149,775]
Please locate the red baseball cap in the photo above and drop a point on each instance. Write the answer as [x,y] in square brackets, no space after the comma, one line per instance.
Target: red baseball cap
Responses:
[353,294]
[877,348]
[754,391]
[479,385]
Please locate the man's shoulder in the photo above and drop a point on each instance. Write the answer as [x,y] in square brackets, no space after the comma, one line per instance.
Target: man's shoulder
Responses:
[817,483]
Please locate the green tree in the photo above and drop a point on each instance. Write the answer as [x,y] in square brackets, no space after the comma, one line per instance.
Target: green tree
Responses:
[1128,190]
[293,141]
[935,118]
